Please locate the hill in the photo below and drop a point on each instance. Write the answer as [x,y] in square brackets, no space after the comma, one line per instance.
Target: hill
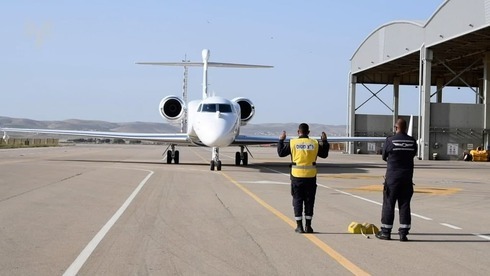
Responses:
[269,129]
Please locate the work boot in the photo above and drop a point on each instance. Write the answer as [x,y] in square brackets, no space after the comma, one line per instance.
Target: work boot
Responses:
[403,236]
[299,227]
[308,228]
[383,235]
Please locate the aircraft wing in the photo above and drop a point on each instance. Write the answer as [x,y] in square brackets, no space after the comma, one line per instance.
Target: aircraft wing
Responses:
[258,140]
[174,138]
[179,138]
[254,140]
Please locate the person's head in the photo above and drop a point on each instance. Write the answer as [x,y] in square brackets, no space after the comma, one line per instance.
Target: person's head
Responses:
[479,148]
[401,126]
[303,129]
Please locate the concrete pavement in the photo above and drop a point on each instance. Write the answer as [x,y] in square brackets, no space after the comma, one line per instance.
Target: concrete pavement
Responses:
[129,213]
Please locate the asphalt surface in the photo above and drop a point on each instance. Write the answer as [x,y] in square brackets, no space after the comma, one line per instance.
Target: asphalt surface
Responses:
[120,210]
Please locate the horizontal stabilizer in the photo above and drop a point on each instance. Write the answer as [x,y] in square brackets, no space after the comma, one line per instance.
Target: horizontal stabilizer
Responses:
[210,64]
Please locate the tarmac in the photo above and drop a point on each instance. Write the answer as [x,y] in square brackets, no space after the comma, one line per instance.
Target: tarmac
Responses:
[121,210]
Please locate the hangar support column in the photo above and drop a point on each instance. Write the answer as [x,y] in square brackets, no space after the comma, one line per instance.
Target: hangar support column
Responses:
[352,112]
[486,101]
[426,55]
[440,86]
[396,99]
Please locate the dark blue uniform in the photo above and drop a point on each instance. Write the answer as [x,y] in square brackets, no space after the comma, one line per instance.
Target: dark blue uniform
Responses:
[398,151]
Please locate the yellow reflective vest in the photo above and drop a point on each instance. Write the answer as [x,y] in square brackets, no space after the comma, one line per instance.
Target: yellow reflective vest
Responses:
[304,152]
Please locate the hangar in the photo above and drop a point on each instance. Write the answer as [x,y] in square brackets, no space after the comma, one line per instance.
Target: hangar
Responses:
[450,49]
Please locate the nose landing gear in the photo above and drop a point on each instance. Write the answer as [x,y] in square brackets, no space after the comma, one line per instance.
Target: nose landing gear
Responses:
[172,154]
[215,162]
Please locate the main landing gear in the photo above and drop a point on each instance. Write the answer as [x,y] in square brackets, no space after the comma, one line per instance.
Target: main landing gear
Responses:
[241,157]
[215,162]
[172,154]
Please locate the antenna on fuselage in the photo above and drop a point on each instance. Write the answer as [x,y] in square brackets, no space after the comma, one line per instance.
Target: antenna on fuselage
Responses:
[183,127]
[205,59]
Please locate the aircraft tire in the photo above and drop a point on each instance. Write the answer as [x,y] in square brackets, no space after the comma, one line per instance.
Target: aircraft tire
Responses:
[212,165]
[169,157]
[176,157]
[218,166]
[237,158]
[245,159]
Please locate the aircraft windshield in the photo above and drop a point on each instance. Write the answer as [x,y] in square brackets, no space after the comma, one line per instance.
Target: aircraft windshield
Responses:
[223,108]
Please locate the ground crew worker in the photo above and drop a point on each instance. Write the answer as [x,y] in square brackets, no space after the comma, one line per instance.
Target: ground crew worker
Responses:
[399,151]
[304,152]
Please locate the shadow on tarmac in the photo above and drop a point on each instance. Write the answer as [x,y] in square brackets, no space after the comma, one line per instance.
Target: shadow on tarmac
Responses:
[266,167]
[394,237]
[441,238]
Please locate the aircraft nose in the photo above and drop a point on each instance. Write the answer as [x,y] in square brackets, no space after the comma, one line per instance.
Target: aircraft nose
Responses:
[218,134]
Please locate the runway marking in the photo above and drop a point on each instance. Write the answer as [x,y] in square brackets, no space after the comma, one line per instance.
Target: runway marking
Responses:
[323,246]
[419,216]
[417,189]
[377,203]
[451,226]
[89,249]
[352,195]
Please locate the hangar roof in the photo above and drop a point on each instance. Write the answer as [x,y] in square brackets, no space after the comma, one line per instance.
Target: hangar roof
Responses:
[458,33]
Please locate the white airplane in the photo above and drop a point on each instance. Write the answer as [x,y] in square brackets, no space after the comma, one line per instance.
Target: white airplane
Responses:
[211,122]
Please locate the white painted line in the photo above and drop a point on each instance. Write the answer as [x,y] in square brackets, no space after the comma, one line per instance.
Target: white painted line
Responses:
[276,171]
[89,249]
[352,195]
[451,226]
[482,236]
[420,216]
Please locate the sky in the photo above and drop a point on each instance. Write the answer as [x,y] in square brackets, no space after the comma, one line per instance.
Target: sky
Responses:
[76,59]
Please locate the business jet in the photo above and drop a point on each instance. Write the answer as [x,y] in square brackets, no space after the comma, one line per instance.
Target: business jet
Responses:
[212,121]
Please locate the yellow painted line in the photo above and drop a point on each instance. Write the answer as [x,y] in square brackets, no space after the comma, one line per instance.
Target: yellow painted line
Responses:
[323,246]
[417,189]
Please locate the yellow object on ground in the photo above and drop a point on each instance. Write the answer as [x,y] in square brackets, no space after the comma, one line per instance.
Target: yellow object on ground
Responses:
[365,228]
[479,155]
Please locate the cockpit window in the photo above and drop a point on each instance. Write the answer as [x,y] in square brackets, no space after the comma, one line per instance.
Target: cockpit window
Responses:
[223,108]
[209,108]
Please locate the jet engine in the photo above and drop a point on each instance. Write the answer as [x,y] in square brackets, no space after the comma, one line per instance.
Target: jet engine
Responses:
[247,109]
[172,108]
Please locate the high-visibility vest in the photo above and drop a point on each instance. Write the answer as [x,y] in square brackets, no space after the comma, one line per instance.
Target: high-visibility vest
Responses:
[304,152]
